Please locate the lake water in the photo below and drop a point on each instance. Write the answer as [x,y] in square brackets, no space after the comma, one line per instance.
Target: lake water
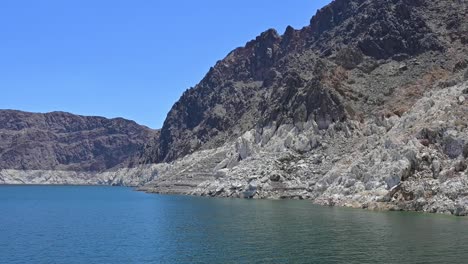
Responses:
[70,224]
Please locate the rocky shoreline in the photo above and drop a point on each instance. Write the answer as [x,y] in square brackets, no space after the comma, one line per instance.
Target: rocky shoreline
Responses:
[416,162]
[131,177]
[364,107]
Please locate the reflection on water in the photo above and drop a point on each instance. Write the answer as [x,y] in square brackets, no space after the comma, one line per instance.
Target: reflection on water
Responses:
[109,225]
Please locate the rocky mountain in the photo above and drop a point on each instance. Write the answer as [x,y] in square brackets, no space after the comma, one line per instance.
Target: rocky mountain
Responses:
[69,143]
[357,59]
[364,107]
[413,162]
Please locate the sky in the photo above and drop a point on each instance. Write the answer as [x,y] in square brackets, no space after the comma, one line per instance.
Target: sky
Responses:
[125,58]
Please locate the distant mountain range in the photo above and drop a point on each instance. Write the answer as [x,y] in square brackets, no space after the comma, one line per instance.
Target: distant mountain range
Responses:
[36,144]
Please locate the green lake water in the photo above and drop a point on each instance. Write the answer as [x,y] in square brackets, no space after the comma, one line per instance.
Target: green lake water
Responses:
[75,224]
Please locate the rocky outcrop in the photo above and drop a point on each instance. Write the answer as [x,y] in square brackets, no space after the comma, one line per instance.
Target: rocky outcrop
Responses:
[132,177]
[64,142]
[413,162]
[360,108]
[357,59]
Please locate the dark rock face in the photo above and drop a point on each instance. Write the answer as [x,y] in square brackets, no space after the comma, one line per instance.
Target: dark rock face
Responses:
[381,29]
[357,58]
[62,141]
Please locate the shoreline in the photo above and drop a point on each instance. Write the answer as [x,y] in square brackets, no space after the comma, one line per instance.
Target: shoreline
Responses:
[137,189]
[384,207]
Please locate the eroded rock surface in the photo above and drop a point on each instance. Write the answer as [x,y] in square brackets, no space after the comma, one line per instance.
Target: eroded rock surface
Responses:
[357,59]
[364,107]
[62,142]
[377,164]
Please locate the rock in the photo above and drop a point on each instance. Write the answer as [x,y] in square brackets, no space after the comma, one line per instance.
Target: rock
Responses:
[436,168]
[461,99]
[426,158]
[453,147]
[302,144]
[244,148]
[403,171]
[425,142]
[448,83]
[275,177]
[460,65]
[250,191]
[460,166]
[461,208]
[349,58]
[429,136]
[446,175]
[412,157]
[218,191]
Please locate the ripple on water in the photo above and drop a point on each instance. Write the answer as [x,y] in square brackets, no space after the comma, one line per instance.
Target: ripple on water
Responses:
[117,225]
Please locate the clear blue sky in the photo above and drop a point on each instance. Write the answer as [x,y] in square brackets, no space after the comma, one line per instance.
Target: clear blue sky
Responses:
[131,58]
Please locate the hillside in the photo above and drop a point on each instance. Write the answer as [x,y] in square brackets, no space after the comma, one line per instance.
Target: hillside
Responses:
[364,107]
[64,142]
[356,60]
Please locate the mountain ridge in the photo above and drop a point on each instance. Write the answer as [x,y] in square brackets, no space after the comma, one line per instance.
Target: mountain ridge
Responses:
[63,141]
[335,112]
[77,115]
[344,33]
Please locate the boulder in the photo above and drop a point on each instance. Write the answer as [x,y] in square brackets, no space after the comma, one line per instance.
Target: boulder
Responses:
[275,177]
[244,147]
[436,168]
[460,166]
[401,170]
[453,147]
[250,191]
[461,207]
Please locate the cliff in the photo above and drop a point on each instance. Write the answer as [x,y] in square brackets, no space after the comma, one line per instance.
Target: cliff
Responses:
[356,59]
[68,143]
[364,107]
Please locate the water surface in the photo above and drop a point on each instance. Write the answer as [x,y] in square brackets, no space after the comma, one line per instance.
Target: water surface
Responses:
[71,224]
